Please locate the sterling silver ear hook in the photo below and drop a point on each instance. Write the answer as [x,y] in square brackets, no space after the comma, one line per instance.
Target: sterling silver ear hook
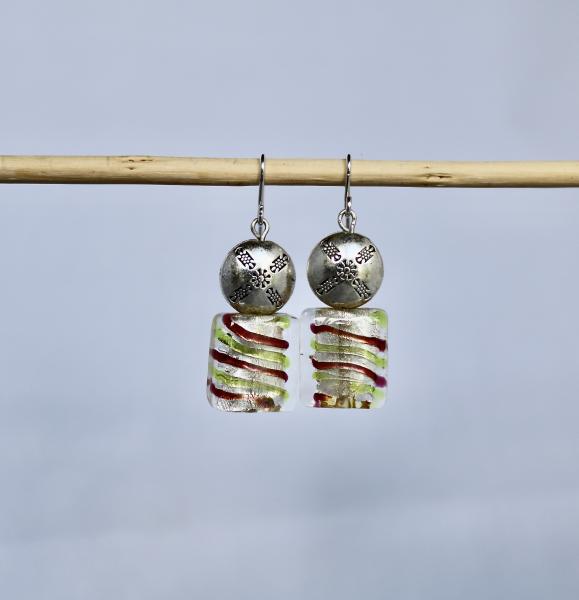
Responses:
[260,225]
[347,217]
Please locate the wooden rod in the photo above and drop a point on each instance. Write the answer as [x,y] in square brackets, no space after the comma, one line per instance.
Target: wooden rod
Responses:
[245,171]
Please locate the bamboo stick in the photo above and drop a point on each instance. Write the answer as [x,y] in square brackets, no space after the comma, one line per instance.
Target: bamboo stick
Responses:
[245,171]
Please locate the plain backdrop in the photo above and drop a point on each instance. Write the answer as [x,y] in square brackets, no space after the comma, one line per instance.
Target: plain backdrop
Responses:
[117,480]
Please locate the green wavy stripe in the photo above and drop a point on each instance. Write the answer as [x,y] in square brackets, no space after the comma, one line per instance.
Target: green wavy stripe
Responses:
[353,386]
[380,317]
[282,320]
[231,342]
[239,383]
[355,350]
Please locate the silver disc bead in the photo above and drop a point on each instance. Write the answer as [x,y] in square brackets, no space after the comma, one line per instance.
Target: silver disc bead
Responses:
[257,278]
[345,270]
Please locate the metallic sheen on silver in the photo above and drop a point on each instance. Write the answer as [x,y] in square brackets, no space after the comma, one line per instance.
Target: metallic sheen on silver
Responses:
[345,270]
[260,225]
[257,277]
[347,217]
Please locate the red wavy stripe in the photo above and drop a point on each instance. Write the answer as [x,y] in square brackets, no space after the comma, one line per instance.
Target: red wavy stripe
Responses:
[251,336]
[262,402]
[242,364]
[326,365]
[371,341]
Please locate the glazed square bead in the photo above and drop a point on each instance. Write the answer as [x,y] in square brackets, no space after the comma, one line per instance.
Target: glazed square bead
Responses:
[253,362]
[344,357]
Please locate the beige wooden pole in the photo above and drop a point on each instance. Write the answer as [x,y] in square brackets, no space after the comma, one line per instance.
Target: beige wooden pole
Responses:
[245,171]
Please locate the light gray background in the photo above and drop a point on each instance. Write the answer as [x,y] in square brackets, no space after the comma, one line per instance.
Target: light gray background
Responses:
[117,479]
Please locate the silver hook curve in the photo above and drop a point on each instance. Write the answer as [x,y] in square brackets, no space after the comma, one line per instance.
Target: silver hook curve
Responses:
[260,225]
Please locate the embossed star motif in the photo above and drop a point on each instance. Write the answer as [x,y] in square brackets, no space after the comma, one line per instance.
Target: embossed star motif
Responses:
[260,278]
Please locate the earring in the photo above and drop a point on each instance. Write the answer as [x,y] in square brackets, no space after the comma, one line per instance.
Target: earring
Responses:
[252,350]
[345,347]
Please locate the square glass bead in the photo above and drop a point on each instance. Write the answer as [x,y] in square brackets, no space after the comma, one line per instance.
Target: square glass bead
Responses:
[344,357]
[253,362]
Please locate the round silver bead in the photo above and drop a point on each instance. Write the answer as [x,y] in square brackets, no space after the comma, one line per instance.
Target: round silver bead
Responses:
[257,278]
[345,270]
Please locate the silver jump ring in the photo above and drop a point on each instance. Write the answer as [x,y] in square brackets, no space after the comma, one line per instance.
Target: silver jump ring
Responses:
[260,230]
[347,220]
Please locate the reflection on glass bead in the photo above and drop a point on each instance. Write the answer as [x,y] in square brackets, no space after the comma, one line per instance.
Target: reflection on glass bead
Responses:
[344,357]
[253,362]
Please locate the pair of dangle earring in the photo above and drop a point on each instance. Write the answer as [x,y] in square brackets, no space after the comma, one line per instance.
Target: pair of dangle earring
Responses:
[253,354]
